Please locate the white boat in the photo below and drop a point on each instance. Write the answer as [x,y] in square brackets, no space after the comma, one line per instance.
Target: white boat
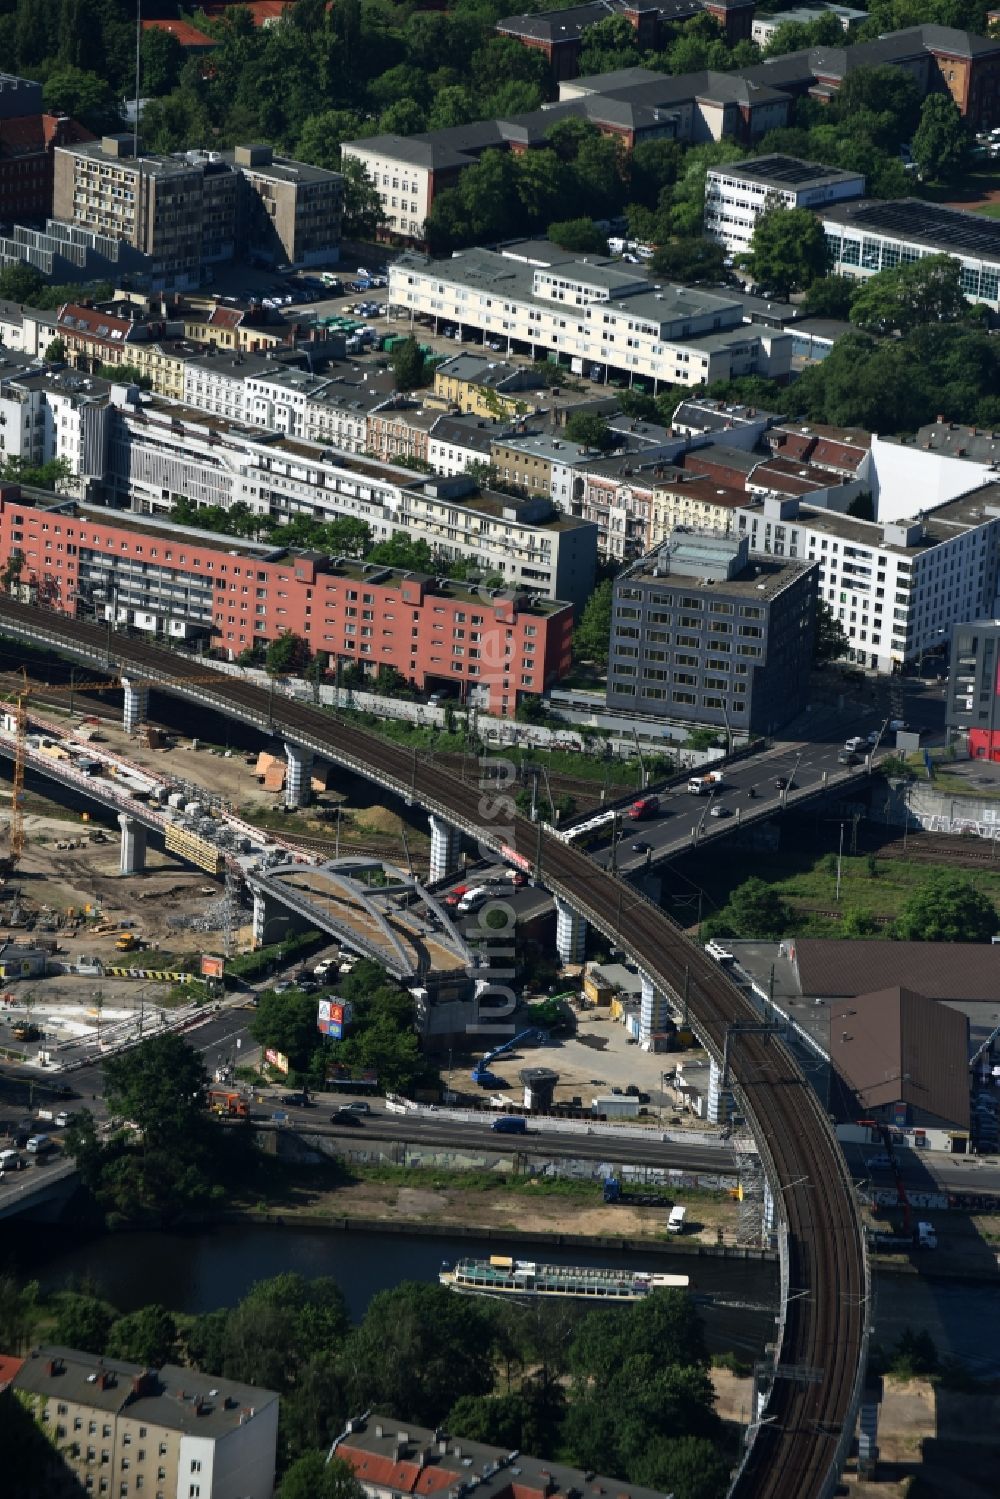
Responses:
[502,1276]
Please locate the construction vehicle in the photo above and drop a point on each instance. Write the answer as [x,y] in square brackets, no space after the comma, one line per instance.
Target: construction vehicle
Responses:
[481,1073]
[227,1105]
[616,1191]
[127,942]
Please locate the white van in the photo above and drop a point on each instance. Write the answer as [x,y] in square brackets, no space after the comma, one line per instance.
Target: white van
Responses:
[39,1144]
[675,1223]
[472,900]
[854,744]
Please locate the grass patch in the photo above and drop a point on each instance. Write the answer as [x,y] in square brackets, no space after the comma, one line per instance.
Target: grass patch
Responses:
[808,882]
[545,1186]
[988,210]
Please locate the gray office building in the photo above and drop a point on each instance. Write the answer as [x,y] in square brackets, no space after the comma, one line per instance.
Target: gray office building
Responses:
[974,687]
[704,633]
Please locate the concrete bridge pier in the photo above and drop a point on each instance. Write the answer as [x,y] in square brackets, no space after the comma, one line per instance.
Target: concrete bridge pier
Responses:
[133,848]
[654,1010]
[136,706]
[446,842]
[720,1103]
[298,776]
[571,933]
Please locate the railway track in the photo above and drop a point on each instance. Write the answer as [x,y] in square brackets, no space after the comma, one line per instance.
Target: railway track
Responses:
[929,848]
[806,1430]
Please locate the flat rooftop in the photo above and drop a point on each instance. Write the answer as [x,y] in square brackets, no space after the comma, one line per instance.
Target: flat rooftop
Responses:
[785,171]
[762,579]
[922,223]
[941,524]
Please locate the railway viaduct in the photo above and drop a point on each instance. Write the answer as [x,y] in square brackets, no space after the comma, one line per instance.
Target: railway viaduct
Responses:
[802,1432]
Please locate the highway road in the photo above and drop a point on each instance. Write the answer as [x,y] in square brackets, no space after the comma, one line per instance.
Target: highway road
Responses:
[800,1446]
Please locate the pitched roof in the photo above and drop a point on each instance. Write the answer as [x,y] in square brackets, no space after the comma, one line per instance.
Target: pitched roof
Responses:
[832,967]
[8,1368]
[896,1044]
[186,34]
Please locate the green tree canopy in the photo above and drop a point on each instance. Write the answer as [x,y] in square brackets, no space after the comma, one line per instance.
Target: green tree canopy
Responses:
[590,431]
[408,364]
[579,235]
[592,636]
[831,297]
[831,642]
[160,1087]
[789,250]
[148,1336]
[941,141]
[287,1022]
[690,260]
[754,909]
[287,654]
[312,1477]
[403,550]
[82,1321]
[907,296]
[419,1349]
[946,907]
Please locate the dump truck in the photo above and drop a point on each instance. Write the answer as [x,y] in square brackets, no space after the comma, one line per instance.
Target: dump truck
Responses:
[227,1105]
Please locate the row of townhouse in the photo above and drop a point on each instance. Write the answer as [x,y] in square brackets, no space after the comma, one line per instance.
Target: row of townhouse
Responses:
[594,315]
[160,452]
[487,645]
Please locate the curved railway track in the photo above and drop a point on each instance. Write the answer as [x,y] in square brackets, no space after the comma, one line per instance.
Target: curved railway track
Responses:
[805,1431]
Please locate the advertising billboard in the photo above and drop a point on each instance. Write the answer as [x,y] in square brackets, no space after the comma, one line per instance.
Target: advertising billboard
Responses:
[212,967]
[332,1017]
[276,1059]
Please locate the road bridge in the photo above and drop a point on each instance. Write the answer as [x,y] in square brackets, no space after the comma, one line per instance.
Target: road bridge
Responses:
[804,1427]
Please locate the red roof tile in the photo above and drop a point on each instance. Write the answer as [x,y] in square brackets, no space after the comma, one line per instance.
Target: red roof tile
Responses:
[8,1369]
[186,34]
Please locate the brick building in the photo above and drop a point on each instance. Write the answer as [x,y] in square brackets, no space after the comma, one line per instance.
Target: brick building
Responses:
[28,139]
[173,581]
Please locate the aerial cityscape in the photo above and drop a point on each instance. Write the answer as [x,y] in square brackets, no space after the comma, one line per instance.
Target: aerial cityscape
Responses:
[499,749]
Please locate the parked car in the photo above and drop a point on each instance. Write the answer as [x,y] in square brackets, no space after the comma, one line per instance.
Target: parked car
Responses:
[720,811]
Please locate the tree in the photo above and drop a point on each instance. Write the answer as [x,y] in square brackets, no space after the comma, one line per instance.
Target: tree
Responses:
[579,235]
[788,250]
[159,1087]
[84,95]
[287,1022]
[408,364]
[287,654]
[831,297]
[364,214]
[754,909]
[312,1477]
[690,260]
[915,1355]
[419,1349]
[401,550]
[19,1313]
[148,1336]
[55,353]
[908,296]
[592,636]
[162,59]
[21,283]
[946,907]
[590,431]
[940,141]
[82,1322]
[831,643]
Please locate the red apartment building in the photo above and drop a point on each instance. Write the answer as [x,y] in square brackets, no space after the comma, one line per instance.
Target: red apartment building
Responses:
[183,584]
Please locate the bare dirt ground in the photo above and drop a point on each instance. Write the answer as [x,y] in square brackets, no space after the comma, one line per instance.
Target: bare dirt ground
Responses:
[933,1444]
[503,1208]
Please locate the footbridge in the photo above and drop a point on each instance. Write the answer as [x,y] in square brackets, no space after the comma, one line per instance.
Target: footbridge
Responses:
[803,1423]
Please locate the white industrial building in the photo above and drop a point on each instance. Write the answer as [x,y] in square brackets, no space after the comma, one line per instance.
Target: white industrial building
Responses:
[897,587]
[866,236]
[737,193]
[597,316]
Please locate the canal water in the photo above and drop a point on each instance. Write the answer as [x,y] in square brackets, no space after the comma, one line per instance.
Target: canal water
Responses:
[208,1268]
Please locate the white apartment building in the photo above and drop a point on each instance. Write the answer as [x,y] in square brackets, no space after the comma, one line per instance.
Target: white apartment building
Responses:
[897,587]
[402,171]
[598,316]
[26,330]
[54,414]
[160,452]
[737,193]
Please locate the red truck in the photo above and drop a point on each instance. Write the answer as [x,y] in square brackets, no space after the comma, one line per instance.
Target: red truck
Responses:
[646,806]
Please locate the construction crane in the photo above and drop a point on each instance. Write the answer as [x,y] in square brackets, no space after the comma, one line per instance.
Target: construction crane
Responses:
[16,840]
